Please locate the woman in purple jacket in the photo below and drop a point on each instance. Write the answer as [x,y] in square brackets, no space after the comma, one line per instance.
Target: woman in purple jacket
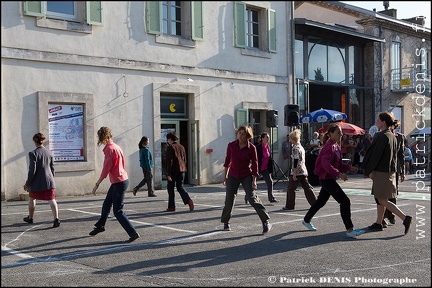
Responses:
[329,167]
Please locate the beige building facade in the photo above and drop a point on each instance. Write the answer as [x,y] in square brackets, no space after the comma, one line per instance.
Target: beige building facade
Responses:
[140,68]
[144,68]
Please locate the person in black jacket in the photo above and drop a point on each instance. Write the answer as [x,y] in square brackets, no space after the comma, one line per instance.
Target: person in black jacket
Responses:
[40,180]
[265,164]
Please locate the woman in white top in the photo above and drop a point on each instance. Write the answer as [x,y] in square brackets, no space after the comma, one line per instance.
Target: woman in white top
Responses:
[299,174]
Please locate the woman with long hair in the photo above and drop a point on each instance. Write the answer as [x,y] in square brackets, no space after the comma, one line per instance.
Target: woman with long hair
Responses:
[114,167]
[146,164]
[329,167]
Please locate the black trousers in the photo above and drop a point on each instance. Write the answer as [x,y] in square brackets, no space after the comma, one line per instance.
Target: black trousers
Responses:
[330,187]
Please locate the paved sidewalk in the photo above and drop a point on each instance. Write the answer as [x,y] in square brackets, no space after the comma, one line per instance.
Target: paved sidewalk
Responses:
[184,248]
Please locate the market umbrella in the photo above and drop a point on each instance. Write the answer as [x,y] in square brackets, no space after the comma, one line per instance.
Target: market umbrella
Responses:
[322,115]
[347,128]
[422,132]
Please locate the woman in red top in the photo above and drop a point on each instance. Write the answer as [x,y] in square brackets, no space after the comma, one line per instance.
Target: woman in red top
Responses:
[114,166]
[241,167]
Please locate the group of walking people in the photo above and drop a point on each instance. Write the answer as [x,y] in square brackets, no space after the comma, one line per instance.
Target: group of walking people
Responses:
[383,164]
[244,162]
[40,181]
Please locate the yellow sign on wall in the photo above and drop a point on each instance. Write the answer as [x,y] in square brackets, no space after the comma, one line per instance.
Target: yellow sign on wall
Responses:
[405,82]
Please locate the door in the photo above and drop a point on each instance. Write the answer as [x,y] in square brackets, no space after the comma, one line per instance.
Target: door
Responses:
[304,107]
[194,159]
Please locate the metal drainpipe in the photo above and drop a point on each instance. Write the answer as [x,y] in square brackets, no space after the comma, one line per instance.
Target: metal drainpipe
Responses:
[293,89]
[381,70]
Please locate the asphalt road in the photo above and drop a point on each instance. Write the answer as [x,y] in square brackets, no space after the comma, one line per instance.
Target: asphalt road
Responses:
[186,248]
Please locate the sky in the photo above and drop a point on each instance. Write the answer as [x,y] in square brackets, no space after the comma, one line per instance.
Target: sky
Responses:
[405,9]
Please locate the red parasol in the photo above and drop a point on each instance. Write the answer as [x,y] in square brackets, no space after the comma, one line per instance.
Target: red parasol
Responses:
[347,128]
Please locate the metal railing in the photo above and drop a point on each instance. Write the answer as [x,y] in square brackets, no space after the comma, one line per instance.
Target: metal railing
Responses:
[410,79]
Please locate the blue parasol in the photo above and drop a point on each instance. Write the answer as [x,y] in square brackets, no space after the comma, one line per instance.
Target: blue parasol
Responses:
[323,115]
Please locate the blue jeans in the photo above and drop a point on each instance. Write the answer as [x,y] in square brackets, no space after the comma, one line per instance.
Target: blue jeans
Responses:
[115,198]
[177,181]
[232,186]
[330,187]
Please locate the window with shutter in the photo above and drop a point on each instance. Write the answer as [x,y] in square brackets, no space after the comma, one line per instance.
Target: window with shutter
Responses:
[254,29]
[175,22]
[77,16]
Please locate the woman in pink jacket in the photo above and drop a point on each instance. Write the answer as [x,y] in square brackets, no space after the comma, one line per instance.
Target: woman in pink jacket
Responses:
[114,167]
[329,167]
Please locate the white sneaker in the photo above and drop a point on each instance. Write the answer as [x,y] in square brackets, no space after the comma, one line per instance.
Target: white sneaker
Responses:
[354,233]
[310,226]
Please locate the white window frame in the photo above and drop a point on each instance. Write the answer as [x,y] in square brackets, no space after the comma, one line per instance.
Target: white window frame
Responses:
[63,16]
[250,36]
[171,19]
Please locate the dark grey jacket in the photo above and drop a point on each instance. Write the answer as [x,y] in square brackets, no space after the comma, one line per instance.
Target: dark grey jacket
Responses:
[41,170]
[381,154]
[400,153]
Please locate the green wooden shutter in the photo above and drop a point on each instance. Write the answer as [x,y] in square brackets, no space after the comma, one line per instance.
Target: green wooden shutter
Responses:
[197,20]
[242,117]
[239,24]
[94,12]
[154,17]
[272,31]
[34,8]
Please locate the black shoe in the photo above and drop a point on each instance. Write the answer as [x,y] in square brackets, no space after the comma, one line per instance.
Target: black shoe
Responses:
[97,230]
[392,220]
[384,224]
[246,201]
[375,227]
[134,191]
[56,223]
[191,205]
[274,201]
[152,195]
[266,227]
[133,238]
[287,209]
[407,223]
[28,220]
